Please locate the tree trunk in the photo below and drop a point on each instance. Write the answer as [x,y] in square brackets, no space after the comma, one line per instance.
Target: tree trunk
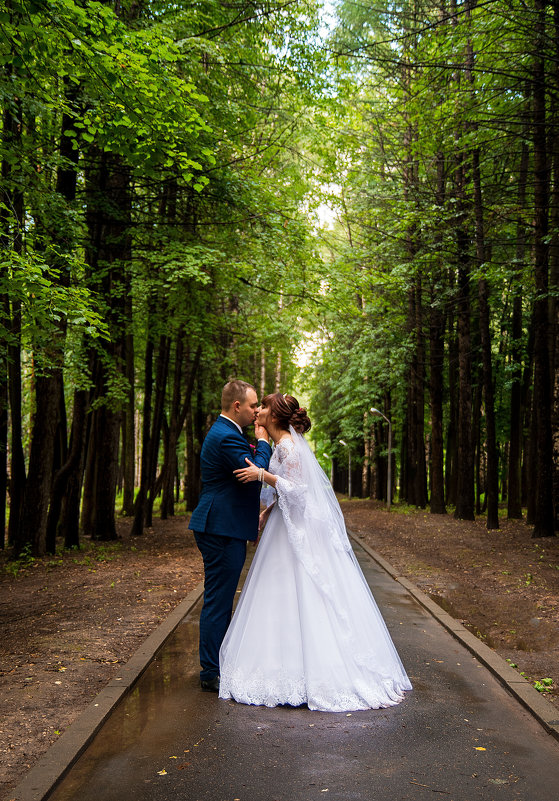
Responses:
[413,465]
[262,371]
[105,474]
[5,324]
[420,489]
[88,499]
[3,431]
[532,464]
[367,453]
[436,366]
[436,363]
[179,411]
[381,466]
[554,272]
[451,473]
[528,474]
[409,442]
[108,253]
[128,427]
[544,515]
[17,466]
[175,427]
[49,386]
[12,229]
[162,372]
[69,472]
[514,500]
[476,435]
[139,503]
[414,468]
[38,485]
[465,456]
[191,489]
[492,476]
[465,445]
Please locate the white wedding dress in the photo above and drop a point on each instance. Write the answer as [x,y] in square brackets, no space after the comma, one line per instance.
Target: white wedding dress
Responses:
[307,628]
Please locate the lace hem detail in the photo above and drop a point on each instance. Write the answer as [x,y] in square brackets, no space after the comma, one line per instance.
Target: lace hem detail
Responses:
[281,690]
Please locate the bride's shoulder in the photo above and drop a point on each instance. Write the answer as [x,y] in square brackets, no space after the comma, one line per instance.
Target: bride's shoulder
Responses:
[285,446]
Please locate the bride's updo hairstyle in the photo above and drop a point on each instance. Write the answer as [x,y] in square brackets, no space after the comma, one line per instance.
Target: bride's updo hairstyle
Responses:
[286,412]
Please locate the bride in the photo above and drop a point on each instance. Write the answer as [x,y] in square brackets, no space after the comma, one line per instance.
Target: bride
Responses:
[307,629]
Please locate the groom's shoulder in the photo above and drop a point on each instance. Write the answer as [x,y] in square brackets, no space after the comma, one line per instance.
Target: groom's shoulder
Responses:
[222,428]
[222,435]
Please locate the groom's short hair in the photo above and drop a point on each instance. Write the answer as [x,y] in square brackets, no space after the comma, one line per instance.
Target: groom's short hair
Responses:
[234,391]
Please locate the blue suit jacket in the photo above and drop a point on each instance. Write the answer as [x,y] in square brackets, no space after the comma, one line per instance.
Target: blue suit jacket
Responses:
[227,507]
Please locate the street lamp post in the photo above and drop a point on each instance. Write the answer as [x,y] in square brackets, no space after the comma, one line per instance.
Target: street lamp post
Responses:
[341,441]
[389,470]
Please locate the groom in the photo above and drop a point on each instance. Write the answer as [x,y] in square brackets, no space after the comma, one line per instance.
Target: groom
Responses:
[226,517]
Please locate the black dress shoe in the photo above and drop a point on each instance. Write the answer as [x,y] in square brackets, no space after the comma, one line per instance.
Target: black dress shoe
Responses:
[210,685]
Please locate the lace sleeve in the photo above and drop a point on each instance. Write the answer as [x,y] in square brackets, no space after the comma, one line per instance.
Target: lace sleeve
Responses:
[291,489]
[289,473]
[309,507]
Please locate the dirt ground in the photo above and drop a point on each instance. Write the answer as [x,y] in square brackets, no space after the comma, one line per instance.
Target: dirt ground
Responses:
[502,585]
[69,621]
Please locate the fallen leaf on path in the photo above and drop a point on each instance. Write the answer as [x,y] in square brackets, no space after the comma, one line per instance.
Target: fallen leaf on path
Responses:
[417,784]
[161,772]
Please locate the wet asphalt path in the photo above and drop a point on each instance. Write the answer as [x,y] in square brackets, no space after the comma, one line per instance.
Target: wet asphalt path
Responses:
[169,741]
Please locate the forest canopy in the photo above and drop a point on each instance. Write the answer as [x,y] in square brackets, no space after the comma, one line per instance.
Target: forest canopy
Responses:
[196,191]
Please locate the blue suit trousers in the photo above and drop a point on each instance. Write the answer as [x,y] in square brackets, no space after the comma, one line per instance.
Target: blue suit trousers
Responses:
[224,558]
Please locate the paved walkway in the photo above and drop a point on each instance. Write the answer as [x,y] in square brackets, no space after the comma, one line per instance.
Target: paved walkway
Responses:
[459,735]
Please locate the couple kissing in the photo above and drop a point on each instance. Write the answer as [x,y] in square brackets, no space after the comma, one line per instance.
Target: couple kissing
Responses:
[306,629]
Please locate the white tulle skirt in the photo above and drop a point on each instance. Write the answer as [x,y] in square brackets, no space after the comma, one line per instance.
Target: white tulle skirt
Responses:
[308,631]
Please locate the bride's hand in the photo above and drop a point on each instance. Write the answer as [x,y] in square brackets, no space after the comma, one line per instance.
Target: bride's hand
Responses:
[245,474]
[263,519]
[261,432]
[264,515]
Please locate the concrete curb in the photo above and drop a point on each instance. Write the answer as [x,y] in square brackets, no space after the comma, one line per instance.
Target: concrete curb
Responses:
[41,780]
[544,712]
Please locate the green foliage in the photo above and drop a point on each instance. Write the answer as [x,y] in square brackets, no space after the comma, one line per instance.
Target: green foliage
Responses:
[23,561]
[31,281]
[544,686]
[406,115]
